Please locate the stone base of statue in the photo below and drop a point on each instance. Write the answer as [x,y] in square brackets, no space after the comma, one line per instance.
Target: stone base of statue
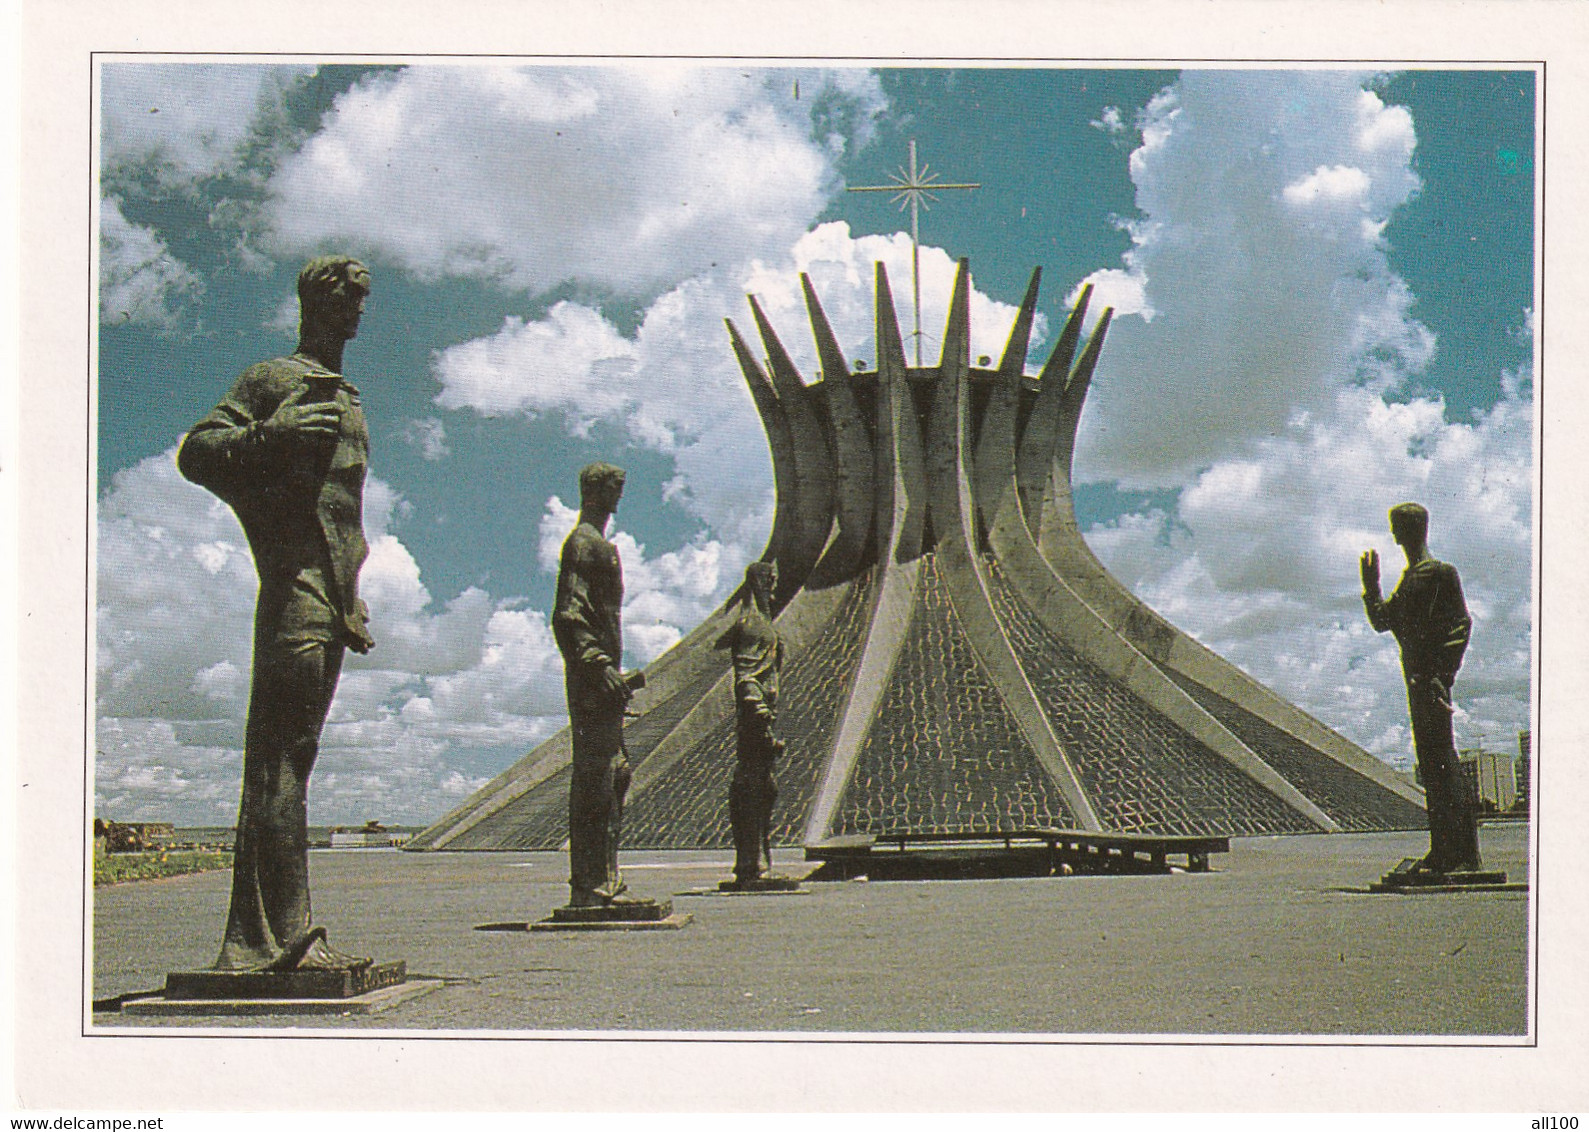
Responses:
[626,915]
[305,982]
[1413,876]
[761,884]
[363,989]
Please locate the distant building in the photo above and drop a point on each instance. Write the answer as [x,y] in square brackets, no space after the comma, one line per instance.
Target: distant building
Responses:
[1525,766]
[1491,779]
[373,835]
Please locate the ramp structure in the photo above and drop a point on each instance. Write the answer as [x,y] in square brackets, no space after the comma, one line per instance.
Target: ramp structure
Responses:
[958,661]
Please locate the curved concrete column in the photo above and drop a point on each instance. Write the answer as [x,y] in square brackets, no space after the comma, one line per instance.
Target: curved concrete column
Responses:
[1035,445]
[950,470]
[1059,512]
[948,430]
[852,451]
[901,507]
[885,636]
[901,477]
[995,452]
[813,458]
[783,542]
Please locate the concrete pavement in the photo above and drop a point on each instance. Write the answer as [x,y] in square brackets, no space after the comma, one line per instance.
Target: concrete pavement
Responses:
[1280,939]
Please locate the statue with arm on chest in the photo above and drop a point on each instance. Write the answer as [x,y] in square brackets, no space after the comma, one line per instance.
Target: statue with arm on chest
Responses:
[287,449]
[1429,618]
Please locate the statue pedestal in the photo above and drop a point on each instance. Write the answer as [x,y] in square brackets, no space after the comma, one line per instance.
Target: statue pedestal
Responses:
[1407,877]
[760,884]
[305,982]
[623,916]
[355,990]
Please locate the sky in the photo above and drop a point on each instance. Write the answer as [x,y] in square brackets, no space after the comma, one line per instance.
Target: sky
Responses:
[1323,294]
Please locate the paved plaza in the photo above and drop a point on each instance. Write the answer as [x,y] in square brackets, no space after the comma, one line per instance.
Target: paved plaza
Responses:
[1281,939]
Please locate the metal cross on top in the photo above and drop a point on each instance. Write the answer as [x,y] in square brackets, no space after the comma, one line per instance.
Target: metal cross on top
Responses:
[914,188]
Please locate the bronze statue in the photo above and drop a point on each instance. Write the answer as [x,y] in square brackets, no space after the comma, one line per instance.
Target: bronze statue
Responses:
[1430,620]
[758,657]
[287,448]
[586,623]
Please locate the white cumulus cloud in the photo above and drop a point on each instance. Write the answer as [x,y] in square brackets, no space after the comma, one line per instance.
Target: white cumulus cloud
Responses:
[1267,388]
[445,692]
[1257,275]
[664,596]
[1329,183]
[627,177]
[140,281]
[675,386]
[429,435]
[188,120]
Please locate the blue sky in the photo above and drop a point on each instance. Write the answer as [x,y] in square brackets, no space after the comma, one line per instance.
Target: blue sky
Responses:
[1323,283]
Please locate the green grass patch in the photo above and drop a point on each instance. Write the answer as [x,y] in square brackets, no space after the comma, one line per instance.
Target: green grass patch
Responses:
[116,868]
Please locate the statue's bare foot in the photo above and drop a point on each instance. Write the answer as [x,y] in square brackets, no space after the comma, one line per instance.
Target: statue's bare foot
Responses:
[309,951]
[602,898]
[297,947]
[322,956]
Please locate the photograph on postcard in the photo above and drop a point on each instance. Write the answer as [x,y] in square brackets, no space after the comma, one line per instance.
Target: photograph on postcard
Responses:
[1041,551]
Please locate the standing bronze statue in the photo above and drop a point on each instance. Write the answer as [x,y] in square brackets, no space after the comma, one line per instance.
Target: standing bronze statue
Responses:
[758,658]
[287,449]
[1430,620]
[586,620]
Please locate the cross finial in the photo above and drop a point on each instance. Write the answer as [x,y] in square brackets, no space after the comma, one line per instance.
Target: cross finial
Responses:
[912,189]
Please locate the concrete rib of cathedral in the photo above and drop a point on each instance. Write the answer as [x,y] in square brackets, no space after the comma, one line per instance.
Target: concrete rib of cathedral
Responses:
[958,660]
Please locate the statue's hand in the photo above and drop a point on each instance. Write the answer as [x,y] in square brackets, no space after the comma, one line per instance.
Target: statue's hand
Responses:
[316,419]
[1369,564]
[359,639]
[612,681]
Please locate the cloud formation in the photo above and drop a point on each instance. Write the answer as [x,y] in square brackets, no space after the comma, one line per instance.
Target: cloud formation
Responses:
[447,697]
[1257,286]
[1264,377]
[187,121]
[140,281]
[629,178]
[664,597]
[429,435]
[675,388]
[1259,370]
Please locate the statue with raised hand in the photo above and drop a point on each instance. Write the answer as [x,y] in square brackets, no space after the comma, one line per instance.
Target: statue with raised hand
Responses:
[1429,618]
[586,621]
[287,448]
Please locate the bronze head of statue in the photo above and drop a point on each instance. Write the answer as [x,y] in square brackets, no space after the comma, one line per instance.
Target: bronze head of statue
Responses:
[600,486]
[331,294]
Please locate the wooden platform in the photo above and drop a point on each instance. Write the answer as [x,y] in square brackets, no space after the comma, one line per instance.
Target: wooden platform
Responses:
[1021,852]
